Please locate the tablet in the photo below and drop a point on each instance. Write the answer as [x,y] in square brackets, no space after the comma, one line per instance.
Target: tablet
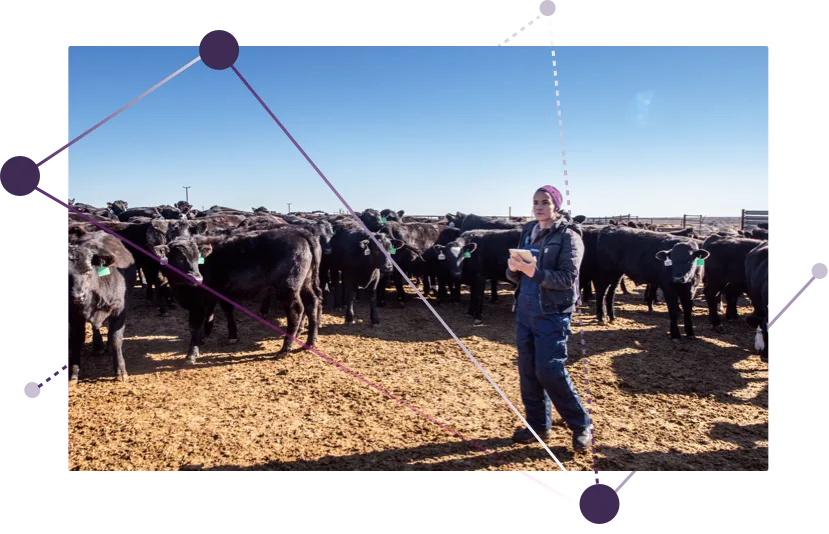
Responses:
[524,254]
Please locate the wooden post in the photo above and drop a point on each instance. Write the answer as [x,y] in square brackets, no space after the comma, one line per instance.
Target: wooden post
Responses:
[683,221]
[743,219]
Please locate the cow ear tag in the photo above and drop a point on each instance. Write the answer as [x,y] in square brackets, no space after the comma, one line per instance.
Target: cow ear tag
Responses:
[393,250]
[467,255]
[383,219]
[441,256]
[201,259]
[700,261]
[668,262]
[103,271]
[451,225]
[367,252]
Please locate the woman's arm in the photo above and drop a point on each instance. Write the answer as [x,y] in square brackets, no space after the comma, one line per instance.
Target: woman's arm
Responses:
[567,269]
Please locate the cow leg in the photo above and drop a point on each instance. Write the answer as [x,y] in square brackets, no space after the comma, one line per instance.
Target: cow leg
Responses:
[115,339]
[712,297]
[232,331]
[311,304]
[294,309]
[673,313]
[77,336]
[337,289]
[601,290]
[398,285]
[375,315]
[624,286]
[427,285]
[478,290]
[97,341]
[687,310]
[494,290]
[265,307]
[196,319]
[208,325]
[456,291]
[610,298]
[587,290]
[731,296]
[381,290]
[348,289]
[442,282]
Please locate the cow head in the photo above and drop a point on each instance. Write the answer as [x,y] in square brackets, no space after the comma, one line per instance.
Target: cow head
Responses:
[376,258]
[681,261]
[453,255]
[84,265]
[372,219]
[326,232]
[117,207]
[579,219]
[183,253]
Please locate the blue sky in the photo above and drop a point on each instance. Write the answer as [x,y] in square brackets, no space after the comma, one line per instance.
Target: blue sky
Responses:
[651,131]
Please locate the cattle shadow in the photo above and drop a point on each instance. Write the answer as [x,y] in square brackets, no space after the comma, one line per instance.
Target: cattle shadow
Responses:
[745,436]
[696,368]
[743,459]
[432,457]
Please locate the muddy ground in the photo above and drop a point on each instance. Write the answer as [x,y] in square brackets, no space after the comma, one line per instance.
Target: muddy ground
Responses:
[702,405]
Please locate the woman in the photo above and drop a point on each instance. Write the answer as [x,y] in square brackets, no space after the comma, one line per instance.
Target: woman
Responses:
[546,296]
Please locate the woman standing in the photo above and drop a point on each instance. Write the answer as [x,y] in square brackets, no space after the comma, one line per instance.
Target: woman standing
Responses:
[546,296]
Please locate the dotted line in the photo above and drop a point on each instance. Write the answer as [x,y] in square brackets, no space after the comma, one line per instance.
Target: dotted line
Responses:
[530,23]
[49,379]
[584,358]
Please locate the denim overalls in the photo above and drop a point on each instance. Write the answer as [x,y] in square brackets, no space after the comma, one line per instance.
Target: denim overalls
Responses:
[541,339]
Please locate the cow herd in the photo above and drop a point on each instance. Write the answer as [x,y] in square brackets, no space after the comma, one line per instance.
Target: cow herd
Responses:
[200,259]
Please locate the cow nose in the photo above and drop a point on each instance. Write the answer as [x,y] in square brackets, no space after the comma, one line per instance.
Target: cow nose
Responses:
[78,299]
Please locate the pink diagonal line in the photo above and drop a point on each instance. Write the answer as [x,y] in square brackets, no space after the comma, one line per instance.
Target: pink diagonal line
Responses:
[312,349]
[791,301]
[125,106]
[413,286]
[624,481]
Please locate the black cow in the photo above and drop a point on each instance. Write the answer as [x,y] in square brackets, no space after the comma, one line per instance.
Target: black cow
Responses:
[152,213]
[647,257]
[445,261]
[391,215]
[356,258]
[476,222]
[725,273]
[487,261]
[117,207]
[757,287]
[249,265]
[417,238]
[100,271]
[372,219]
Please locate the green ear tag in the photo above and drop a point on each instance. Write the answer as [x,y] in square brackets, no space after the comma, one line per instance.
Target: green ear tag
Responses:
[383,219]
[103,271]
[467,255]
[700,261]
[201,259]
[393,250]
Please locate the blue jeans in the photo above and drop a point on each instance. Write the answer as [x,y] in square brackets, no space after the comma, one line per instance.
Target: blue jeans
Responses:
[542,351]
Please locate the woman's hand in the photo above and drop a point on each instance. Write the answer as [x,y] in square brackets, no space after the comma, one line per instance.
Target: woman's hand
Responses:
[517,264]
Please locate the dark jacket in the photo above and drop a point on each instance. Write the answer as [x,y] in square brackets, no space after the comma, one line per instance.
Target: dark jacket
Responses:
[561,250]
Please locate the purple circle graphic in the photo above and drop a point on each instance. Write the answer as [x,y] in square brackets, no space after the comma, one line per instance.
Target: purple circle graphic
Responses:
[547,8]
[599,504]
[219,50]
[20,176]
[819,271]
[31,390]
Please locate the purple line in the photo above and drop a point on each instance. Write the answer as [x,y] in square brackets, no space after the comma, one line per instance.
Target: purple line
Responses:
[403,274]
[791,301]
[139,97]
[625,480]
[49,379]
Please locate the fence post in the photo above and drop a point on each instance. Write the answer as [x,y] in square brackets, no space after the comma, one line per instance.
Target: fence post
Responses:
[742,219]
[683,221]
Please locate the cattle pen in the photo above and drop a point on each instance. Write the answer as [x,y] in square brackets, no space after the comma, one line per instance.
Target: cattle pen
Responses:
[243,404]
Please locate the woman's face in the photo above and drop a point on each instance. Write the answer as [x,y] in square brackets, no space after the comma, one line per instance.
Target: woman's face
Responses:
[543,207]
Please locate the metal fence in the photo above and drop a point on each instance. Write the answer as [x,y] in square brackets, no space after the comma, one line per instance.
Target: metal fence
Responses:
[752,218]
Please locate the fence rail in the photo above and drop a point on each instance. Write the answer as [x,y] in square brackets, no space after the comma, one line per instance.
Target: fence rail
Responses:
[753,218]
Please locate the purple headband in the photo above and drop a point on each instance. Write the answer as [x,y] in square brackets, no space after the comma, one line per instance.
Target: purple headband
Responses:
[553,193]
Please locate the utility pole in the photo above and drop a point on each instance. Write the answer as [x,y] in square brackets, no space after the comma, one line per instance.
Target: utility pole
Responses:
[289,207]
[186,193]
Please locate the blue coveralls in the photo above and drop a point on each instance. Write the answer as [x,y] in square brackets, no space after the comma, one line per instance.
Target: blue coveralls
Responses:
[541,339]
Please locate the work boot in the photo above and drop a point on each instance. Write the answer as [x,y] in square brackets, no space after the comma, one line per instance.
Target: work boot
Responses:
[523,435]
[583,439]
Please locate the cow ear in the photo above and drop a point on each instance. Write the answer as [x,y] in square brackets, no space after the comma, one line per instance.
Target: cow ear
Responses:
[205,249]
[103,259]
[702,254]
[400,213]
[397,243]
[579,219]
[470,247]
[662,254]
[161,250]
[199,228]
[363,243]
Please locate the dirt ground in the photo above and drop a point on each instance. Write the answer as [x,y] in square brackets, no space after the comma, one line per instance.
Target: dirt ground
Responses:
[701,405]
